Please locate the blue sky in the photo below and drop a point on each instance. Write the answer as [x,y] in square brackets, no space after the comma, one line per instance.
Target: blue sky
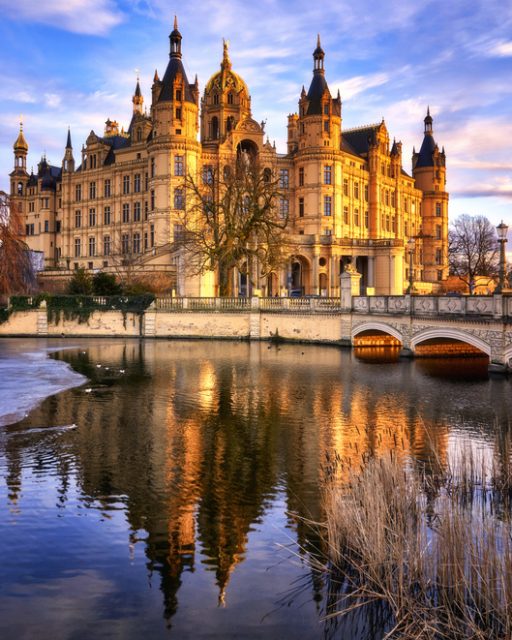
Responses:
[72,62]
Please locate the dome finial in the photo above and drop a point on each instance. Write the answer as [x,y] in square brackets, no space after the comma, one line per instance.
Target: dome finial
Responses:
[318,41]
[175,22]
[226,62]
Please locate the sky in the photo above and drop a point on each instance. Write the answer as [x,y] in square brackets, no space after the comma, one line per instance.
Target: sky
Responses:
[74,63]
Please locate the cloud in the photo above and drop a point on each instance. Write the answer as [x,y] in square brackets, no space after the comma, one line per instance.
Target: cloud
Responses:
[353,86]
[91,17]
[501,49]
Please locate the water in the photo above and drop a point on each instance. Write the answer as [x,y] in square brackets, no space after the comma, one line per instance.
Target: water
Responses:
[157,498]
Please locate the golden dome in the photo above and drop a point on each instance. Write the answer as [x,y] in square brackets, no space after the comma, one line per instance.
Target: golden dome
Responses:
[226,78]
[20,144]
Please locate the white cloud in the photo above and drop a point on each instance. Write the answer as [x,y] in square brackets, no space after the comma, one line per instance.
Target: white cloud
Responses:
[92,17]
[353,86]
[502,49]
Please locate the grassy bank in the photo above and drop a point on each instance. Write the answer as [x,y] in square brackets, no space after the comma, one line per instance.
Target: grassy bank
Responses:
[424,552]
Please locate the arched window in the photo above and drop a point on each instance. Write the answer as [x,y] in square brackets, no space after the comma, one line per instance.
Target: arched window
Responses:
[230,98]
[20,188]
[139,135]
[230,123]
[215,98]
[215,127]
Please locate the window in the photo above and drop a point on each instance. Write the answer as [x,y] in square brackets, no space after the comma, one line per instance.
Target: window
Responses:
[356,190]
[230,98]
[327,174]
[152,199]
[92,247]
[31,207]
[106,245]
[178,166]
[393,199]
[178,232]
[178,113]
[152,167]
[406,205]
[327,205]
[356,217]
[178,95]
[207,174]
[146,210]
[284,179]
[284,208]
[126,184]
[136,243]
[77,247]
[92,190]
[58,226]
[179,199]
[125,243]
[326,109]
[326,126]
[438,232]
[393,224]
[440,274]
[146,181]
[78,192]
[46,226]
[386,198]
[136,183]
[438,256]
[145,241]
[136,212]
[215,98]
[106,215]
[346,218]
[92,217]
[388,223]
[327,232]
[366,219]
[152,235]
[366,193]
[301,207]
[126,212]
[78,218]
[106,189]
[345,186]
[438,209]
[301,176]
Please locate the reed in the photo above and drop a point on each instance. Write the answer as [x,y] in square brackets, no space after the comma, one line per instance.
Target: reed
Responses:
[427,552]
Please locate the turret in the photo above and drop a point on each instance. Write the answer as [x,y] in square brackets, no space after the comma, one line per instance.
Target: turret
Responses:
[20,152]
[68,162]
[138,100]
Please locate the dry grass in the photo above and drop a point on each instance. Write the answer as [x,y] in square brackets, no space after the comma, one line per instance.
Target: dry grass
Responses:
[429,553]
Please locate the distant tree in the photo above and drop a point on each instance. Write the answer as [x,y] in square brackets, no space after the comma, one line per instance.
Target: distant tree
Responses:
[16,268]
[80,283]
[230,220]
[105,284]
[472,249]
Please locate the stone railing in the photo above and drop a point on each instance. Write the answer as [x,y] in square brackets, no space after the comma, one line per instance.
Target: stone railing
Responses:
[440,306]
[211,305]
[273,305]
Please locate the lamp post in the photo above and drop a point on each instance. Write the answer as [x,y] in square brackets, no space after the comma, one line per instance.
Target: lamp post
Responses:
[502,230]
[410,247]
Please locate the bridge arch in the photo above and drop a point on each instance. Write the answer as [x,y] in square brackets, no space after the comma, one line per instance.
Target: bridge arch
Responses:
[376,326]
[452,334]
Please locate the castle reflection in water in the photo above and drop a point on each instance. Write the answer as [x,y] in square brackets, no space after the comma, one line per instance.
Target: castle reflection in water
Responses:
[196,439]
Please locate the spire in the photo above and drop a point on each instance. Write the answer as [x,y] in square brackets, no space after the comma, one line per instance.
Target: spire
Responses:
[68,142]
[21,143]
[175,39]
[318,57]
[428,123]
[68,162]
[226,62]
[155,77]
[137,99]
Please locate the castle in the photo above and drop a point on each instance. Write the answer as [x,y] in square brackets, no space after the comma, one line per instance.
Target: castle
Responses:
[345,193]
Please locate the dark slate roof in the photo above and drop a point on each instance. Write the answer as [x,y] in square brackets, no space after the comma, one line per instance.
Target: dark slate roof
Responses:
[115,143]
[426,155]
[317,89]
[174,67]
[359,139]
[346,146]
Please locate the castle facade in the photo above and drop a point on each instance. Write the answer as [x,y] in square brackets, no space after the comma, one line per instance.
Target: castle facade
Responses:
[345,192]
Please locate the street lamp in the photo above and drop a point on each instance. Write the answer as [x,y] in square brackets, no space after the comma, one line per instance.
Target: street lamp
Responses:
[410,247]
[502,230]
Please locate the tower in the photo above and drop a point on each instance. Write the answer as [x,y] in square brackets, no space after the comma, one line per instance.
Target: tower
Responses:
[429,171]
[137,100]
[19,175]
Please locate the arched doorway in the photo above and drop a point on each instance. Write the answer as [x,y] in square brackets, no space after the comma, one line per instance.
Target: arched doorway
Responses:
[298,278]
[322,284]
[272,285]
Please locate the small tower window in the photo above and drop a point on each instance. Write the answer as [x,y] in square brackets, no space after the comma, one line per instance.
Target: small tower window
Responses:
[178,94]
[215,98]
[326,109]
[20,188]
[215,127]
[230,98]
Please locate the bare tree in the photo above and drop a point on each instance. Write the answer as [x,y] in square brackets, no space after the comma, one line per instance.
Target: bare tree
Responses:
[472,249]
[16,269]
[232,220]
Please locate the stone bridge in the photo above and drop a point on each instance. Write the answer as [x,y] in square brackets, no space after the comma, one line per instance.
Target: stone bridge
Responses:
[484,322]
